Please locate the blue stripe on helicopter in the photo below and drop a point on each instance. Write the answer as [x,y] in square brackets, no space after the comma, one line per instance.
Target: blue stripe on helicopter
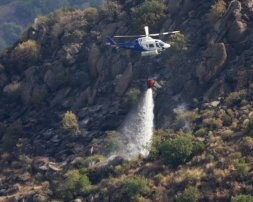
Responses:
[131,45]
[135,45]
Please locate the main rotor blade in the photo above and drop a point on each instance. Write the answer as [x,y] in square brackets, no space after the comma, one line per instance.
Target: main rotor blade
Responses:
[128,36]
[164,33]
[146,30]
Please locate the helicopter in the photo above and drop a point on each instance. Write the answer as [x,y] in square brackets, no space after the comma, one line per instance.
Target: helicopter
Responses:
[145,44]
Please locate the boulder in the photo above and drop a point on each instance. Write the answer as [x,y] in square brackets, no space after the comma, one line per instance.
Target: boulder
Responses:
[232,14]
[212,63]
[69,53]
[236,31]
[123,80]
[49,79]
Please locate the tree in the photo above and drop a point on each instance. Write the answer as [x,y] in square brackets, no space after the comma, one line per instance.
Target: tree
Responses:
[178,149]
[150,12]
[70,123]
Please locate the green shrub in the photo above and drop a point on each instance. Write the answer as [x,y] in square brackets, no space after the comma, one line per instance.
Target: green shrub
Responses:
[201,132]
[70,123]
[48,20]
[90,14]
[133,95]
[190,194]
[28,49]
[154,151]
[178,149]
[111,9]
[75,183]
[227,134]
[12,89]
[198,147]
[216,11]
[248,123]
[177,41]
[213,123]
[241,167]
[92,159]
[25,54]
[242,198]
[135,186]
[10,138]
[150,12]
[246,145]
[235,98]
[112,143]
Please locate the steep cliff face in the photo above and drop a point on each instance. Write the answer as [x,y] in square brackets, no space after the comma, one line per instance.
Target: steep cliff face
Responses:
[61,63]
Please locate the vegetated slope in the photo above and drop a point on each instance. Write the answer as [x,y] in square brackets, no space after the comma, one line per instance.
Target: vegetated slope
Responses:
[64,93]
[15,15]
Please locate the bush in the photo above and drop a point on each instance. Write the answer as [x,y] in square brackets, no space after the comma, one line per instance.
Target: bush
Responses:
[190,194]
[235,98]
[177,150]
[216,11]
[10,138]
[198,147]
[133,95]
[201,132]
[48,20]
[213,123]
[12,89]
[135,186]
[242,198]
[177,41]
[90,14]
[247,145]
[70,123]
[184,118]
[241,167]
[111,9]
[67,20]
[150,12]
[75,183]
[25,53]
[92,160]
[112,143]
[154,151]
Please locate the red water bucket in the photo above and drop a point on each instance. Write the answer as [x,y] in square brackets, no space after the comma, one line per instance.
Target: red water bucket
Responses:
[150,83]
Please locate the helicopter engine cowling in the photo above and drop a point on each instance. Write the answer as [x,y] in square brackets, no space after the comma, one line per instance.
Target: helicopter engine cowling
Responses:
[148,53]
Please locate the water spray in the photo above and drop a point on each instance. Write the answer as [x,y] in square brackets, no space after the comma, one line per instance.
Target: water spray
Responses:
[138,128]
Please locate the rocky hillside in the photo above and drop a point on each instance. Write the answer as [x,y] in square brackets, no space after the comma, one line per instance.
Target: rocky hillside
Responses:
[15,15]
[64,94]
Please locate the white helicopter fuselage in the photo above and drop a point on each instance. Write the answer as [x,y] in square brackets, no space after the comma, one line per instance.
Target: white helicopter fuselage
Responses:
[152,46]
[148,44]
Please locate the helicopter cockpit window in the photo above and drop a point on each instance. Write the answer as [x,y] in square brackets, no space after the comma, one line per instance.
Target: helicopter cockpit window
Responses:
[161,44]
[157,45]
[151,45]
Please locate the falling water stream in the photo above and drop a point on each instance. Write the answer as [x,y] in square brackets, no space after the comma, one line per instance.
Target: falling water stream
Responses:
[137,130]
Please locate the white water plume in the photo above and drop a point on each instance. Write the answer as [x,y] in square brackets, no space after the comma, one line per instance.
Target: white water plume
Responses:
[137,130]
